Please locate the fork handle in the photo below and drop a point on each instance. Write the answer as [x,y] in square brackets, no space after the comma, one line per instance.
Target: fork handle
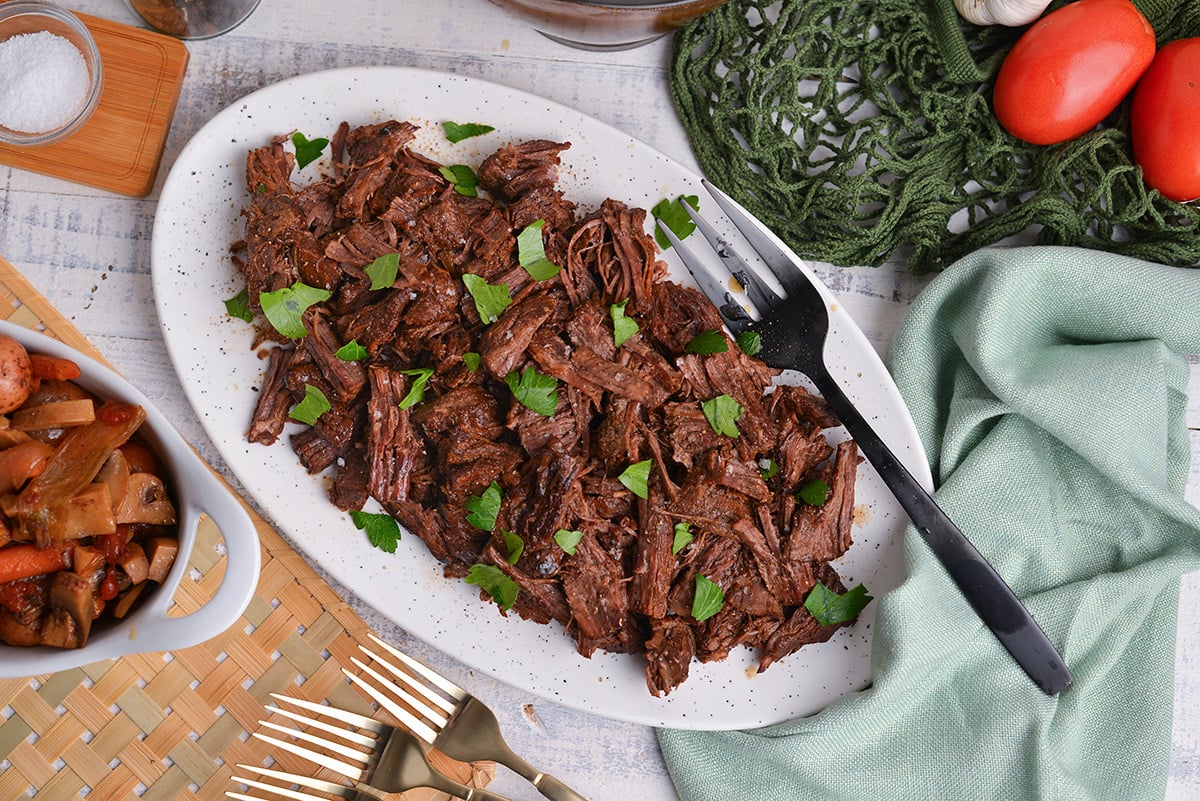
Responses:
[546,784]
[993,600]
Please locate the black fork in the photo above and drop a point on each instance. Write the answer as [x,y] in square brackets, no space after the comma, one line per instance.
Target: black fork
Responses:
[793,329]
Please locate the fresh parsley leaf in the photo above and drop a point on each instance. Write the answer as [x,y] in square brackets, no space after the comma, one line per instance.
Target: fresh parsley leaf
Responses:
[462,178]
[750,342]
[829,608]
[709,598]
[416,393]
[722,413]
[534,390]
[482,509]
[768,468]
[490,299]
[307,150]
[312,407]
[531,253]
[471,359]
[492,580]
[623,327]
[382,530]
[514,545]
[568,540]
[814,493]
[456,132]
[351,352]
[239,306]
[284,308]
[683,535]
[383,271]
[707,342]
[674,217]
[636,478]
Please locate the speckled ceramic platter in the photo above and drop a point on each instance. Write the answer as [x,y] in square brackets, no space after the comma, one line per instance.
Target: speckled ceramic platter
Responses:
[197,220]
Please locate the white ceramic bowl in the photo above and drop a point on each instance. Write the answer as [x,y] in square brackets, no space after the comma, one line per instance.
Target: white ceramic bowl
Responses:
[196,490]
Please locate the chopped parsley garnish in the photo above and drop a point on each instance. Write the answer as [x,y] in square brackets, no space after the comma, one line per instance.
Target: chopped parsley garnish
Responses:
[531,253]
[534,390]
[471,359]
[830,608]
[722,413]
[313,406]
[623,327]
[750,342]
[709,598]
[674,217]
[456,132]
[482,509]
[490,299]
[307,150]
[382,530]
[568,540]
[768,468]
[383,271]
[462,178]
[239,306]
[351,352]
[636,478]
[814,493]
[707,342]
[416,393]
[284,308]
[514,545]
[492,580]
[683,535]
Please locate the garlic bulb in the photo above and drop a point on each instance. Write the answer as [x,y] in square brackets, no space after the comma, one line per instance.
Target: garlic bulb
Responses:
[1001,12]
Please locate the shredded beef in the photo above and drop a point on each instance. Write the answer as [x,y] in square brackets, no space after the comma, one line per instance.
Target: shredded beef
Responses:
[434,416]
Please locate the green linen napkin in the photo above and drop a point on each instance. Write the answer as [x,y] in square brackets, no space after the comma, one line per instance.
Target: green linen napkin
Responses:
[1048,387]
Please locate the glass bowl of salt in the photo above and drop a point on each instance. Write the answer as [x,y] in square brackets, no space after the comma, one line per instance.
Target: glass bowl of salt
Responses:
[52,73]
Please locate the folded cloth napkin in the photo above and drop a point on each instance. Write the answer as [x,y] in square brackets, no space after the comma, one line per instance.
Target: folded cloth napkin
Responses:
[1049,391]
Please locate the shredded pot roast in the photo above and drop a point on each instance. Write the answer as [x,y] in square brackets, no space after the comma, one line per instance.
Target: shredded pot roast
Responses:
[432,463]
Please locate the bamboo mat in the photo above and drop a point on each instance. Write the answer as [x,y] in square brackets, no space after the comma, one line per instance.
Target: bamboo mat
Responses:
[171,727]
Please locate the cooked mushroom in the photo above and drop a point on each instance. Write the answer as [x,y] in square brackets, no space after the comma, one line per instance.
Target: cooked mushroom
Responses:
[72,594]
[146,501]
[161,552]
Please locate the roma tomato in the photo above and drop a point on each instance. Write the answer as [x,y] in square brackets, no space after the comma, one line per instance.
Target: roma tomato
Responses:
[1070,69]
[1165,121]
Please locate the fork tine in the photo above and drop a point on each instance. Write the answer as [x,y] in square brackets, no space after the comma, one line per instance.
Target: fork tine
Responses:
[732,313]
[291,778]
[410,721]
[336,765]
[360,721]
[781,264]
[761,295]
[329,728]
[308,737]
[426,692]
[433,677]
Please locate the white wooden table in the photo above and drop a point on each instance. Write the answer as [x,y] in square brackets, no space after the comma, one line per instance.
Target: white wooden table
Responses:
[88,251]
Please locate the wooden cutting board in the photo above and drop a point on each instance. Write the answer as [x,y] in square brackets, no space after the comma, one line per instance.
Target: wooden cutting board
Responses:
[120,147]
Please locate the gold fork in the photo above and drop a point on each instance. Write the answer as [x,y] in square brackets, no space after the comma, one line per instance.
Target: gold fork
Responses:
[377,758]
[450,719]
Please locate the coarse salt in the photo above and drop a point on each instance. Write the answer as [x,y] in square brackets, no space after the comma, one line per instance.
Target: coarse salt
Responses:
[45,82]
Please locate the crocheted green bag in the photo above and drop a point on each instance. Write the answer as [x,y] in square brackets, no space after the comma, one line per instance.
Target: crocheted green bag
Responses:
[863,131]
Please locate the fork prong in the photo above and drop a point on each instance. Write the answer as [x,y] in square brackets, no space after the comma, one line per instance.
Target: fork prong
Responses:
[329,728]
[360,721]
[410,721]
[761,295]
[424,690]
[352,772]
[309,737]
[781,263]
[291,778]
[436,679]
[732,313]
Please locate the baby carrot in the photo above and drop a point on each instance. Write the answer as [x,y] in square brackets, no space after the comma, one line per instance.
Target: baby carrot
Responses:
[27,561]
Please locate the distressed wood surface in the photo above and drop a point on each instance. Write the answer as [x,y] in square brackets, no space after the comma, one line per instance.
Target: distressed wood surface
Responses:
[88,251]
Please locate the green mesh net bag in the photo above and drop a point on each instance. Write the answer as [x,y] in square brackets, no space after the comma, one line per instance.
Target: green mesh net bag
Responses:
[862,132]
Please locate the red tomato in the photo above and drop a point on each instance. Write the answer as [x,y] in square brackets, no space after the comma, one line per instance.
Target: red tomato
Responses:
[1070,69]
[1165,121]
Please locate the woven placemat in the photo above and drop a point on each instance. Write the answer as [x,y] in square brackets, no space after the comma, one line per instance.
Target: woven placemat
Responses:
[172,726]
